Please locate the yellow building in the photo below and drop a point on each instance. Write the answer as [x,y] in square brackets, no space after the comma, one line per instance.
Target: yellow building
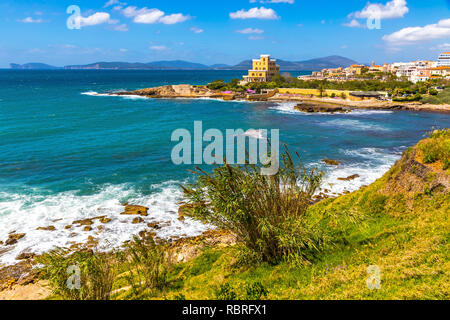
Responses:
[357,69]
[263,70]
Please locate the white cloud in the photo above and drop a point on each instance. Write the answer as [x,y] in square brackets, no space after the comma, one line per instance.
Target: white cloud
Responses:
[413,35]
[444,46]
[123,50]
[151,16]
[196,30]
[250,30]
[255,38]
[255,13]
[174,18]
[391,10]
[95,19]
[113,2]
[158,48]
[353,24]
[273,1]
[122,27]
[31,20]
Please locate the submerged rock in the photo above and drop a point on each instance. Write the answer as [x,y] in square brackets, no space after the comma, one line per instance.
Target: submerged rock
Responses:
[13,238]
[331,162]
[137,220]
[319,108]
[49,228]
[352,177]
[135,210]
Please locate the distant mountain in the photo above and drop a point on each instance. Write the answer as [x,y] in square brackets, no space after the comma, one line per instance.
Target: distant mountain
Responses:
[113,66]
[308,65]
[326,62]
[178,64]
[33,66]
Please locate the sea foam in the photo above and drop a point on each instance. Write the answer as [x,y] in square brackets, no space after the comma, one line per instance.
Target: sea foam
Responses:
[21,213]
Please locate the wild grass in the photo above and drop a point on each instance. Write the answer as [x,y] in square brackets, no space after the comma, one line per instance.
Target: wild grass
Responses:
[267,213]
[436,148]
[82,275]
[146,264]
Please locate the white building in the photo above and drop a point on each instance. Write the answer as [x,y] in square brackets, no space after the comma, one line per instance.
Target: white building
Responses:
[444,60]
[415,71]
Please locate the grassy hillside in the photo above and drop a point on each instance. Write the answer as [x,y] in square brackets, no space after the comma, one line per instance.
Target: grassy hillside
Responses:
[400,224]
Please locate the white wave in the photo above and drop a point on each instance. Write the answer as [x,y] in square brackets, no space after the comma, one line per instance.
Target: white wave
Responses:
[374,163]
[286,108]
[358,112]
[24,213]
[354,125]
[124,96]
[95,94]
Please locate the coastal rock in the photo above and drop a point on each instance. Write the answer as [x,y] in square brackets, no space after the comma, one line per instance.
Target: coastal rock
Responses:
[105,220]
[84,222]
[331,162]
[135,210]
[154,225]
[13,238]
[49,228]
[319,108]
[137,220]
[352,177]
[25,256]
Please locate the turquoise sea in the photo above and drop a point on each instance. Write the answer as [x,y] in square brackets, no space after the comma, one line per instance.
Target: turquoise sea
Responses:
[68,153]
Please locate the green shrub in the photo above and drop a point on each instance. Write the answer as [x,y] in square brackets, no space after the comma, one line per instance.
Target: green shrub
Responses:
[95,278]
[148,264]
[267,213]
[255,291]
[437,147]
[225,292]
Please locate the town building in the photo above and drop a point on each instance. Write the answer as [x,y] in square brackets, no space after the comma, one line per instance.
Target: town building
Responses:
[263,70]
[440,72]
[444,60]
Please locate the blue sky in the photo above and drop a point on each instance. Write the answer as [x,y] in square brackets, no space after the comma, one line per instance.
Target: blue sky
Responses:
[216,31]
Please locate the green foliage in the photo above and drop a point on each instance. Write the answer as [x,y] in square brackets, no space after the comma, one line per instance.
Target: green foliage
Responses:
[96,279]
[267,213]
[416,97]
[437,147]
[225,292]
[148,264]
[255,291]
[436,97]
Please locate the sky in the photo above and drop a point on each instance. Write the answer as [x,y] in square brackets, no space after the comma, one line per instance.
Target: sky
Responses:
[60,32]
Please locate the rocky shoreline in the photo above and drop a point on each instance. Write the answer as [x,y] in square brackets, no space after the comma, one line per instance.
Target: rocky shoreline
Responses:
[311,104]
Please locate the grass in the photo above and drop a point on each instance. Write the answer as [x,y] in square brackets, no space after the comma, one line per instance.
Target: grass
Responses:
[268,213]
[405,234]
[436,148]
[442,97]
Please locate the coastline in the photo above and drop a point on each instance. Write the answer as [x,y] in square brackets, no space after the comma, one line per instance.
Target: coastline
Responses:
[187,91]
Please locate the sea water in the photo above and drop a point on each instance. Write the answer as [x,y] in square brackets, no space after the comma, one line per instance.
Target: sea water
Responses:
[68,152]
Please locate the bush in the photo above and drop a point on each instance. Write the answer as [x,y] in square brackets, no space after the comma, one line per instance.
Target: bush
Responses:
[226,292]
[267,213]
[437,147]
[96,276]
[148,264]
[255,291]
